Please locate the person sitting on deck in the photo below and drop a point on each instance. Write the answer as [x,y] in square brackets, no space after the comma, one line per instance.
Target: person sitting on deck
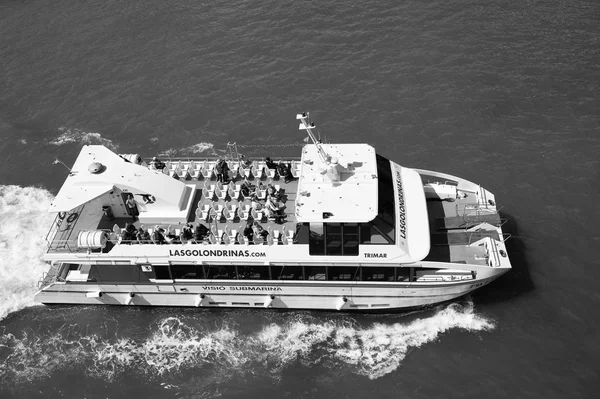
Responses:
[254,203]
[157,164]
[270,164]
[186,233]
[245,163]
[272,192]
[247,188]
[129,234]
[200,232]
[158,236]
[143,236]
[274,209]
[260,231]
[249,233]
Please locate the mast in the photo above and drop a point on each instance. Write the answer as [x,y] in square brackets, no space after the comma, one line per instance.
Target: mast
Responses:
[308,126]
[329,165]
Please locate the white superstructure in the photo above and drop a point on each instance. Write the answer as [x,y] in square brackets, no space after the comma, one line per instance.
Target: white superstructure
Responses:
[352,231]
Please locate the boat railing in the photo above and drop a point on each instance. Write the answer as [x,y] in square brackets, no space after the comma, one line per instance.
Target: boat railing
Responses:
[448,182]
[71,246]
[494,251]
[66,219]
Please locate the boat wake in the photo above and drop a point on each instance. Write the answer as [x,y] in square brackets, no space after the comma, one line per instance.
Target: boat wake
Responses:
[186,345]
[24,222]
[193,150]
[72,135]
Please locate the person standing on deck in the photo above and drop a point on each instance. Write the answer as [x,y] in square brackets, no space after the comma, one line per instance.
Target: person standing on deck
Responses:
[132,208]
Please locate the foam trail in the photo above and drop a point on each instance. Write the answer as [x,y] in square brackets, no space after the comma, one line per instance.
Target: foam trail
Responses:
[178,344]
[72,135]
[24,222]
[196,149]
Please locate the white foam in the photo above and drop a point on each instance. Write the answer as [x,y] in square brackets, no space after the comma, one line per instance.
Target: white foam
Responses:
[24,222]
[196,149]
[174,345]
[72,135]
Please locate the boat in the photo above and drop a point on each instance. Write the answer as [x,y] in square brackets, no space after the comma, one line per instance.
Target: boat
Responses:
[339,228]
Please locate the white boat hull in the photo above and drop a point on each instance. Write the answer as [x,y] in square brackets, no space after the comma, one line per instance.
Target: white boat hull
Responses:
[263,294]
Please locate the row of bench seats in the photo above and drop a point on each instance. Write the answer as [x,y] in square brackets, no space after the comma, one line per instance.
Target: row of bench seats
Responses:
[198,170]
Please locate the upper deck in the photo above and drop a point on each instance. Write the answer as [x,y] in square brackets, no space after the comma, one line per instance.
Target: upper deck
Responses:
[185,191]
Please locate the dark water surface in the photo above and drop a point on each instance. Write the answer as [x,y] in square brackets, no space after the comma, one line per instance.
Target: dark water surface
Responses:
[501,93]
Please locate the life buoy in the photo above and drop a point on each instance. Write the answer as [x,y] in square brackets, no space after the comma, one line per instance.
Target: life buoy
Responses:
[72,217]
[61,215]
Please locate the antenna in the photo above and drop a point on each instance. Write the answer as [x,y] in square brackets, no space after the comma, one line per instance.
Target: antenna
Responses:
[308,126]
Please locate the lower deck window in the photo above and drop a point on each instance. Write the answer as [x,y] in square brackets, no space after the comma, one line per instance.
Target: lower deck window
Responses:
[311,273]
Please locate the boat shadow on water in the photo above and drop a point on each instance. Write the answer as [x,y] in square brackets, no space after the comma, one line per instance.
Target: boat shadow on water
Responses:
[518,280]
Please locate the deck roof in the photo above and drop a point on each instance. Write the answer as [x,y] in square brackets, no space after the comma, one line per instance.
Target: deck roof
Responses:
[352,199]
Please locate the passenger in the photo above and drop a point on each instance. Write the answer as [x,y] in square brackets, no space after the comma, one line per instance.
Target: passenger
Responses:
[275,209]
[219,170]
[157,164]
[288,177]
[272,192]
[143,236]
[261,232]
[129,234]
[200,232]
[249,233]
[158,236]
[281,169]
[172,238]
[245,163]
[247,188]
[224,172]
[255,204]
[132,208]
[270,164]
[186,233]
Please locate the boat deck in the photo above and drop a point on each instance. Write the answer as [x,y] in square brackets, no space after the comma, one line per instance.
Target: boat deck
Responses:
[226,217]
[456,225]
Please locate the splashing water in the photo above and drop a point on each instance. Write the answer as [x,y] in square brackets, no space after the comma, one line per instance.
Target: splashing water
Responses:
[72,135]
[179,344]
[24,222]
[196,149]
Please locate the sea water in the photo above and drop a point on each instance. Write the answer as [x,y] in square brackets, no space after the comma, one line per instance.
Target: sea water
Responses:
[501,93]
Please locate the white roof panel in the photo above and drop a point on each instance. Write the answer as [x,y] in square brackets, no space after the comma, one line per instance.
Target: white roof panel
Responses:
[352,199]
[83,185]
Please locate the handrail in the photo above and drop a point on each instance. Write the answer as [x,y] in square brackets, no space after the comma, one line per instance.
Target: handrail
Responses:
[72,247]
[494,250]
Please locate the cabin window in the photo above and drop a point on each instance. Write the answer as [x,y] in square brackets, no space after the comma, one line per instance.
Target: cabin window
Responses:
[378,274]
[315,272]
[316,239]
[386,213]
[253,272]
[185,271]
[302,233]
[287,273]
[403,274]
[343,273]
[162,272]
[219,272]
[350,236]
[333,239]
